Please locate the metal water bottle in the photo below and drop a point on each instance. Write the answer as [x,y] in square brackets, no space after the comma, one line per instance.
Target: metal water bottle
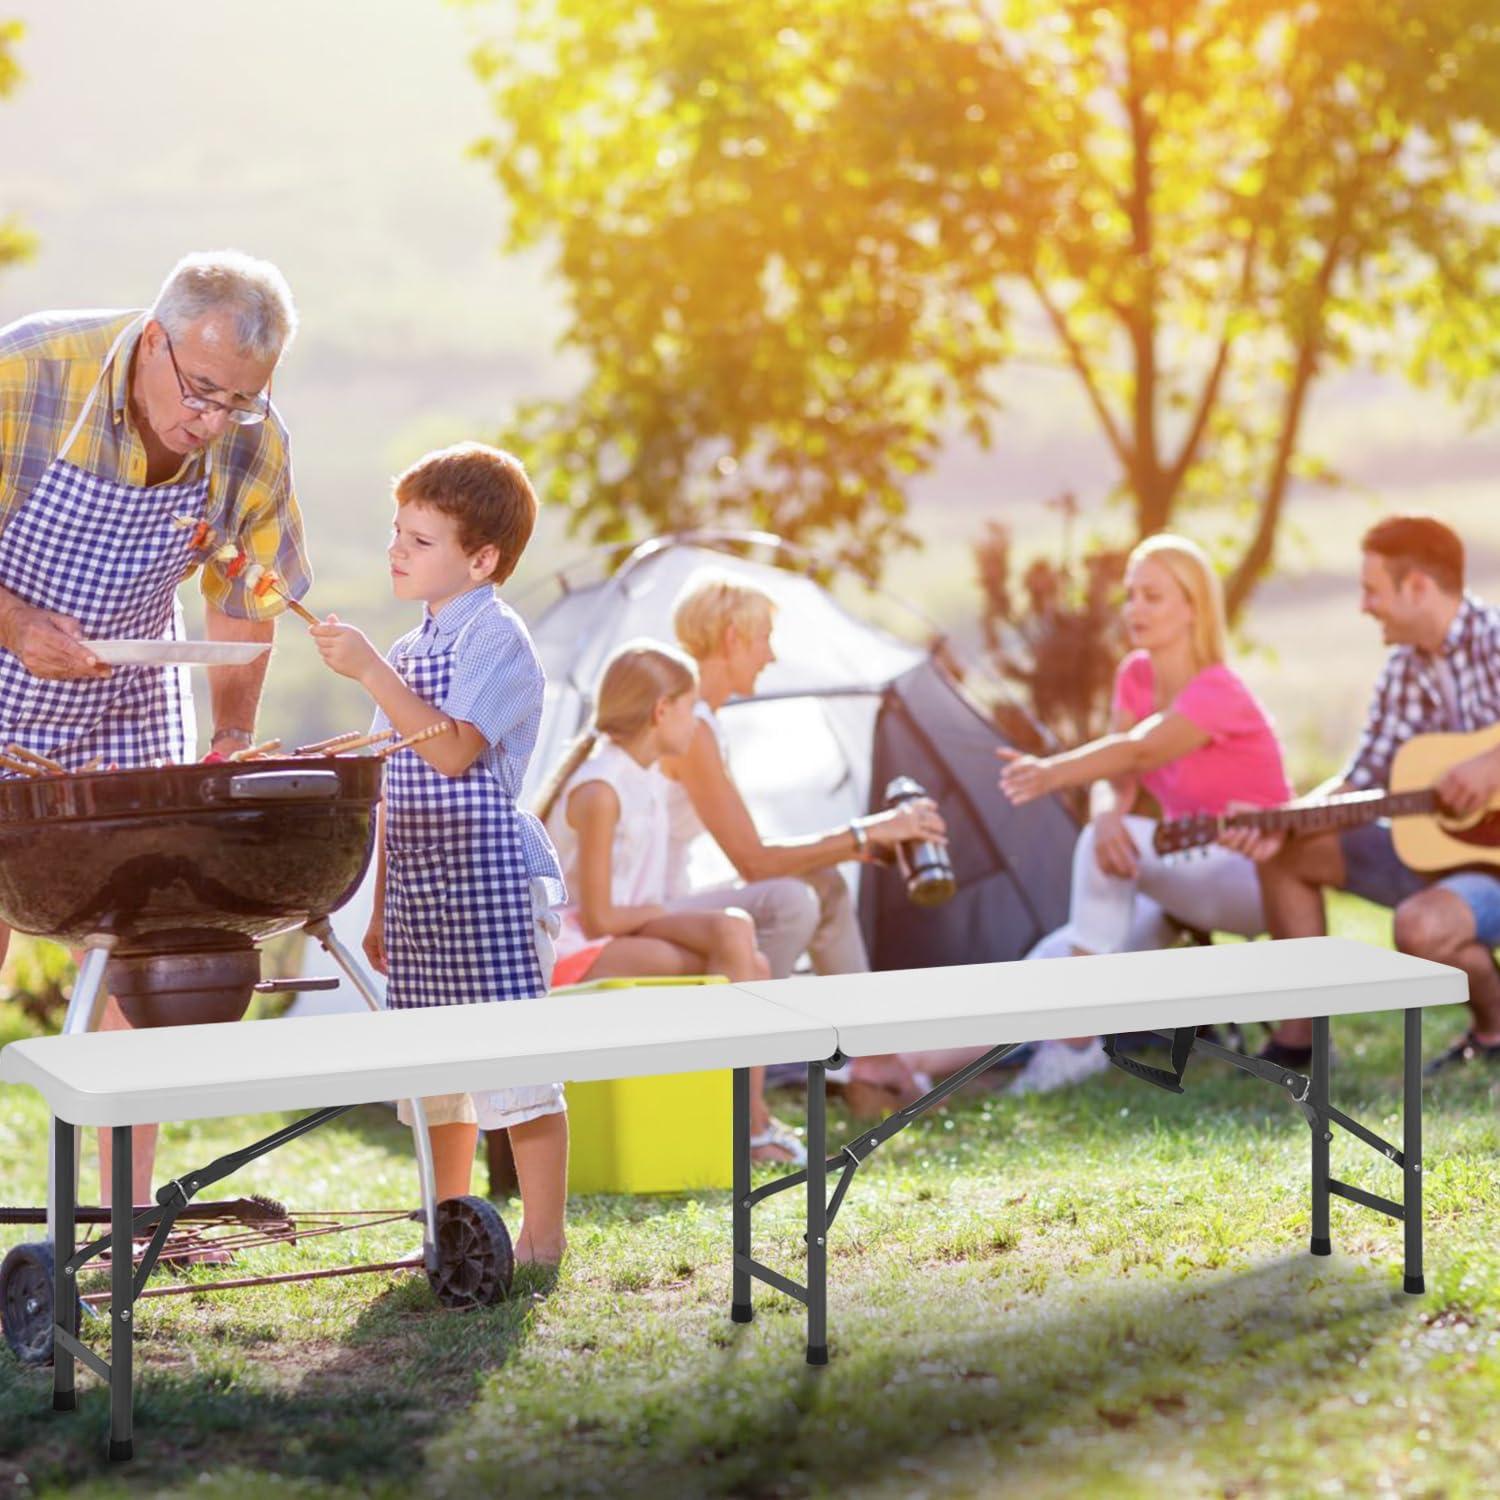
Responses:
[924,865]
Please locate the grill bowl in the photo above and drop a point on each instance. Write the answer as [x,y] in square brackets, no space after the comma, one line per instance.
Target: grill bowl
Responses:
[186,859]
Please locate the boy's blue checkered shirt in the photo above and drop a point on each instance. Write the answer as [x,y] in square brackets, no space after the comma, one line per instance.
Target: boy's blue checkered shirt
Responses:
[497,686]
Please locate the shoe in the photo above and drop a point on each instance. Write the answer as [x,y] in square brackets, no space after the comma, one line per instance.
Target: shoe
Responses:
[780,1135]
[1055,1065]
[1468,1048]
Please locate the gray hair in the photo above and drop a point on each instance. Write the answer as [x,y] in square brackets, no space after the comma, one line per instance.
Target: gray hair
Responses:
[265,318]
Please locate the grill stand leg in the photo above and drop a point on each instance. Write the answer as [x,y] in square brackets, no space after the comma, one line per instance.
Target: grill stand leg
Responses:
[1322,1135]
[817,1215]
[740,1308]
[62,1201]
[85,1009]
[1411,1150]
[121,1297]
[427,1182]
[321,928]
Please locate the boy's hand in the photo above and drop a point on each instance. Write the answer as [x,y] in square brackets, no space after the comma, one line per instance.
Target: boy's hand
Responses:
[374,943]
[345,648]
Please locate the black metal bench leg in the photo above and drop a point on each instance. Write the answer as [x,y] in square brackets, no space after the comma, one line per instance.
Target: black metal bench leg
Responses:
[121,1274]
[1411,1150]
[1321,1136]
[64,1207]
[817,1215]
[740,1309]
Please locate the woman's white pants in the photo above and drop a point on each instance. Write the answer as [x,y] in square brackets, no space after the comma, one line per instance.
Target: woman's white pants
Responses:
[1213,889]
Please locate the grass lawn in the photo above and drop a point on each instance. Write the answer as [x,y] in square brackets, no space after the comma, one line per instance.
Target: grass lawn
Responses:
[1101,1292]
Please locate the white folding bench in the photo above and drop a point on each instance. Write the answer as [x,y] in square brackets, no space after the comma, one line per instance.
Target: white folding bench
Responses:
[332,1063]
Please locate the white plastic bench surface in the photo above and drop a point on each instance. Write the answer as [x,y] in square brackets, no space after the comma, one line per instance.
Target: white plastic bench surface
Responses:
[977,1005]
[197,1072]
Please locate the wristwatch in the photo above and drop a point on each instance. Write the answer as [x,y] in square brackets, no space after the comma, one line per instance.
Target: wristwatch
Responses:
[861,838]
[247,736]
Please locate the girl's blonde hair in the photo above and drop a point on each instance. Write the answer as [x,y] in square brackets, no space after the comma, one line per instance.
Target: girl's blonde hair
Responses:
[1188,563]
[635,679]
[709,604]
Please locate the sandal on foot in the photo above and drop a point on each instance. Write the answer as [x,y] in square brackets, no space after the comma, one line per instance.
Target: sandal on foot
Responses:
[779,1135]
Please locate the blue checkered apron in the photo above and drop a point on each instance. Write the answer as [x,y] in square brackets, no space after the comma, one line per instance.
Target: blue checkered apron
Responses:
[107,554]
[458,914]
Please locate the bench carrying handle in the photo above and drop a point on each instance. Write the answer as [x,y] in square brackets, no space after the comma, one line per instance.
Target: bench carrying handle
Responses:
[1182,1046]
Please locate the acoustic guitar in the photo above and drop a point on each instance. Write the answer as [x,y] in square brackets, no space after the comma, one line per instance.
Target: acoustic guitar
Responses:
[1426,837]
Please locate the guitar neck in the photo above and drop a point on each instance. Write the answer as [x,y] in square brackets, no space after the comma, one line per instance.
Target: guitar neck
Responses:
[1347,811]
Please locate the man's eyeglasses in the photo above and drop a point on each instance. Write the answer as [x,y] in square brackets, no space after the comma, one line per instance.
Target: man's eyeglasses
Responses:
[241,416]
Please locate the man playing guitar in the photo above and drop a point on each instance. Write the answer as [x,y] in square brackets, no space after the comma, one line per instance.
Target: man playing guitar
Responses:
[1443,674]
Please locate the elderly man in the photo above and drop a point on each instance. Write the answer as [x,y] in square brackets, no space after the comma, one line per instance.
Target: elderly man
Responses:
[113,427]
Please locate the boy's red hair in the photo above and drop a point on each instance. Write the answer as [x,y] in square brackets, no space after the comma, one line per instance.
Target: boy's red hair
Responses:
[485,490]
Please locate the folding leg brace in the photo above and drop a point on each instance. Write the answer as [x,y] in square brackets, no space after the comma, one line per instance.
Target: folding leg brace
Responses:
[821,1210]
[1310,1095]
[126,1280]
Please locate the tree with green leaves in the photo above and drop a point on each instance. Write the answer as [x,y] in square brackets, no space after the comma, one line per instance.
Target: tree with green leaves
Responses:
[799,237]
[16,242]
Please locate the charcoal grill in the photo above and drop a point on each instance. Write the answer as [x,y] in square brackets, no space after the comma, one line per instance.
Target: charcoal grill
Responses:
[169,878]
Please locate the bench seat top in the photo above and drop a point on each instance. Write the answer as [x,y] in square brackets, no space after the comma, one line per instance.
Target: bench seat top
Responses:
[978,1005]
[198,1072]
[312,1062]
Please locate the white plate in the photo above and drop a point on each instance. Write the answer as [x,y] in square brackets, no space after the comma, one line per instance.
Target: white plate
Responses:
[178,653]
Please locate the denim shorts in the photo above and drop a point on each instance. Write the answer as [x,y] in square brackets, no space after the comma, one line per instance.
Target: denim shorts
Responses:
[1372,870]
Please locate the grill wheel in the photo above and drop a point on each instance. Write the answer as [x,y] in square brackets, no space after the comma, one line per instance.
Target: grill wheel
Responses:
[475,1258]
[26,1303]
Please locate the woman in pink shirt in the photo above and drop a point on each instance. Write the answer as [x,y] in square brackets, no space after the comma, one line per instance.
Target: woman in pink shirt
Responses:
[1184,728]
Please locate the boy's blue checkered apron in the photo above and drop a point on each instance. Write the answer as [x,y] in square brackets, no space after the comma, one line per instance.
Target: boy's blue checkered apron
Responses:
[458,913]
[107,554]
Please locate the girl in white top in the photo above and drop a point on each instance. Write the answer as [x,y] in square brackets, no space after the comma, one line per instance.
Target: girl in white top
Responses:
[606,811]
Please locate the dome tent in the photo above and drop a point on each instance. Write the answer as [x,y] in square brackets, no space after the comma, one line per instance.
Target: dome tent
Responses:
[844,708]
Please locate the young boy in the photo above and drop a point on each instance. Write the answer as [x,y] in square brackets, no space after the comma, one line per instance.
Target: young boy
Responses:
[466,878]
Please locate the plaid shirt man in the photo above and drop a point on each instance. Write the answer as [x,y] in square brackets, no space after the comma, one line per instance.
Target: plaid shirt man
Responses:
[1412,697]
[49,362]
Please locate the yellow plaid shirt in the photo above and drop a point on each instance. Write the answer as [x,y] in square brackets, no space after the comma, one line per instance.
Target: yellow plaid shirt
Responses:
[49,363]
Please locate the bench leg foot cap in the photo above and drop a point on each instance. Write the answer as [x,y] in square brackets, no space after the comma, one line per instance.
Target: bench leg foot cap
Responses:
[740,1312]
[817,1354]
[1321,1247]
[65,1401]
[121,1449]
[1415,1285]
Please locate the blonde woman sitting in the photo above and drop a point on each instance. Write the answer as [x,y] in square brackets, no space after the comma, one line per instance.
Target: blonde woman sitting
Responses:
[791,887]
[605,808]
[1186,729]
